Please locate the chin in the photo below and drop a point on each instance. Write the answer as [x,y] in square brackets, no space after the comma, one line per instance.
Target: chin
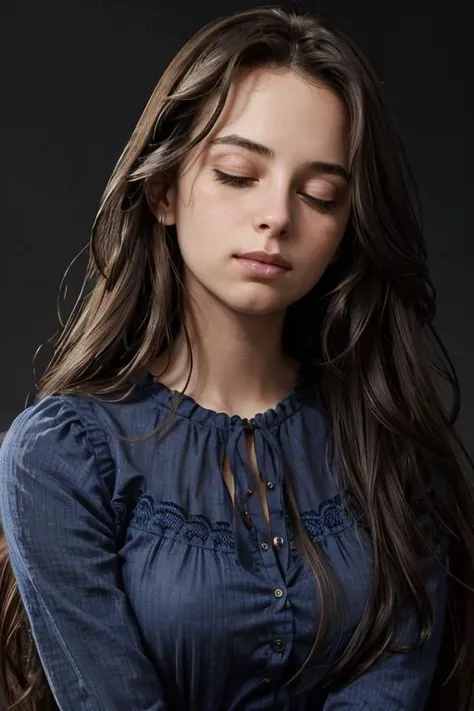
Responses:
[256,304]
[257,311]
[255,298]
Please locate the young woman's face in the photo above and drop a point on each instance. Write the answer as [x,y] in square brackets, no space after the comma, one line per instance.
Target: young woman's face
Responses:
[276,203]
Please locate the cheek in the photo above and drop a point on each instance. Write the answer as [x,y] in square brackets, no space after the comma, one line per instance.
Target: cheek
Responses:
[205,212]
[319,250]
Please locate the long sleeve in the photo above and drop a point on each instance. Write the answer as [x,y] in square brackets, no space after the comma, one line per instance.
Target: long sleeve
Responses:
[55,507]
[400,682]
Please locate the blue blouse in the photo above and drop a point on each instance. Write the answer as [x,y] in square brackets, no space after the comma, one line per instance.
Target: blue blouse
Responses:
[144,589]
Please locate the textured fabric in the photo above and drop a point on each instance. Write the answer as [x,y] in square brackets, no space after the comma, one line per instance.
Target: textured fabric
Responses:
[146,589]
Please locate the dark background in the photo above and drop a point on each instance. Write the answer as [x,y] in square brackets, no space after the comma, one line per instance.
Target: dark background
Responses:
[77,74]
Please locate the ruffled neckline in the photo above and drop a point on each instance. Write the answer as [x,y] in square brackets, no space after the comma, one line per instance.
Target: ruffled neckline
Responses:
[187,407]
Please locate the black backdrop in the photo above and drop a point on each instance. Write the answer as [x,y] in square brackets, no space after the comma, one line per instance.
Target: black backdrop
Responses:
[76,77]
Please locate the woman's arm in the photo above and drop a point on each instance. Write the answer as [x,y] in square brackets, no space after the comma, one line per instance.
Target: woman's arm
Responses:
[59,525]
[400,682]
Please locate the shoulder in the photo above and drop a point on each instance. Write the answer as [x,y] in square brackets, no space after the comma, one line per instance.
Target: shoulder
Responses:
[47,419]
[61,429]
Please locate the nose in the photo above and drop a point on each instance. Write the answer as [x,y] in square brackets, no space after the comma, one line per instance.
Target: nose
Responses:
[273,216]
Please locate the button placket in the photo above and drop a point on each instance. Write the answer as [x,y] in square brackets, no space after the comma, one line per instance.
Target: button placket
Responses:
[273,546]
[268,542]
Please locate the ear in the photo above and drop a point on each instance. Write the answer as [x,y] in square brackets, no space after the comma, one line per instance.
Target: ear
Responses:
[161,199]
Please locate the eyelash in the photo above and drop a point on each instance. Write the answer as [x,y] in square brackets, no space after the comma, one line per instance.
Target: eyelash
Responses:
[241,182]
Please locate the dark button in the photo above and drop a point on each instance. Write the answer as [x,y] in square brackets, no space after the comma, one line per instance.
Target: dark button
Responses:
[264,546]
[278,592]
[278,542]
[266,680]
[278,645]
[249,492]
[270,485]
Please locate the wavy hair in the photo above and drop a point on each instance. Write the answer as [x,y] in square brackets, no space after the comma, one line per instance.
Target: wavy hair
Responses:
[366,328]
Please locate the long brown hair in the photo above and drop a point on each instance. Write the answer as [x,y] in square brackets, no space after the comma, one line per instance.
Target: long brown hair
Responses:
[366,327]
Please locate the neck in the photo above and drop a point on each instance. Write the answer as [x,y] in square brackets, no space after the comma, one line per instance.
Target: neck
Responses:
[238,365]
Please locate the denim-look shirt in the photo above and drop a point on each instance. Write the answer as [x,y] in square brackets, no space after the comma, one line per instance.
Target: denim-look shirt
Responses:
[147,590]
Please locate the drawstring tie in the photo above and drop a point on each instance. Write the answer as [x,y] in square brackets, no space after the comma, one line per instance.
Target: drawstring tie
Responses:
[269,459]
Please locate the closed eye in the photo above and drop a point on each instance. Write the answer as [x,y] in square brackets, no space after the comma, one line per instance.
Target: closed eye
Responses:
[242,182]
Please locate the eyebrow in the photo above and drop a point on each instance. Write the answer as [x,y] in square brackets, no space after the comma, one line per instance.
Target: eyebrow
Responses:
[317,166]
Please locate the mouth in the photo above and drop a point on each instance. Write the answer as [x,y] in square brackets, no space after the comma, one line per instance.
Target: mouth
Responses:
[265,258]
[263,264]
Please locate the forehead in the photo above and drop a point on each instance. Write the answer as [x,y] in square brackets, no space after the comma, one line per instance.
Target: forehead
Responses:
[278,107]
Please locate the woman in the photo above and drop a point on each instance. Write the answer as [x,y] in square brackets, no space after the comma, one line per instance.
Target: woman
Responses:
[238,488]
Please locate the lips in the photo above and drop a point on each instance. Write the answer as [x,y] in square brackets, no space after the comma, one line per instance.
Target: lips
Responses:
[265,258]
